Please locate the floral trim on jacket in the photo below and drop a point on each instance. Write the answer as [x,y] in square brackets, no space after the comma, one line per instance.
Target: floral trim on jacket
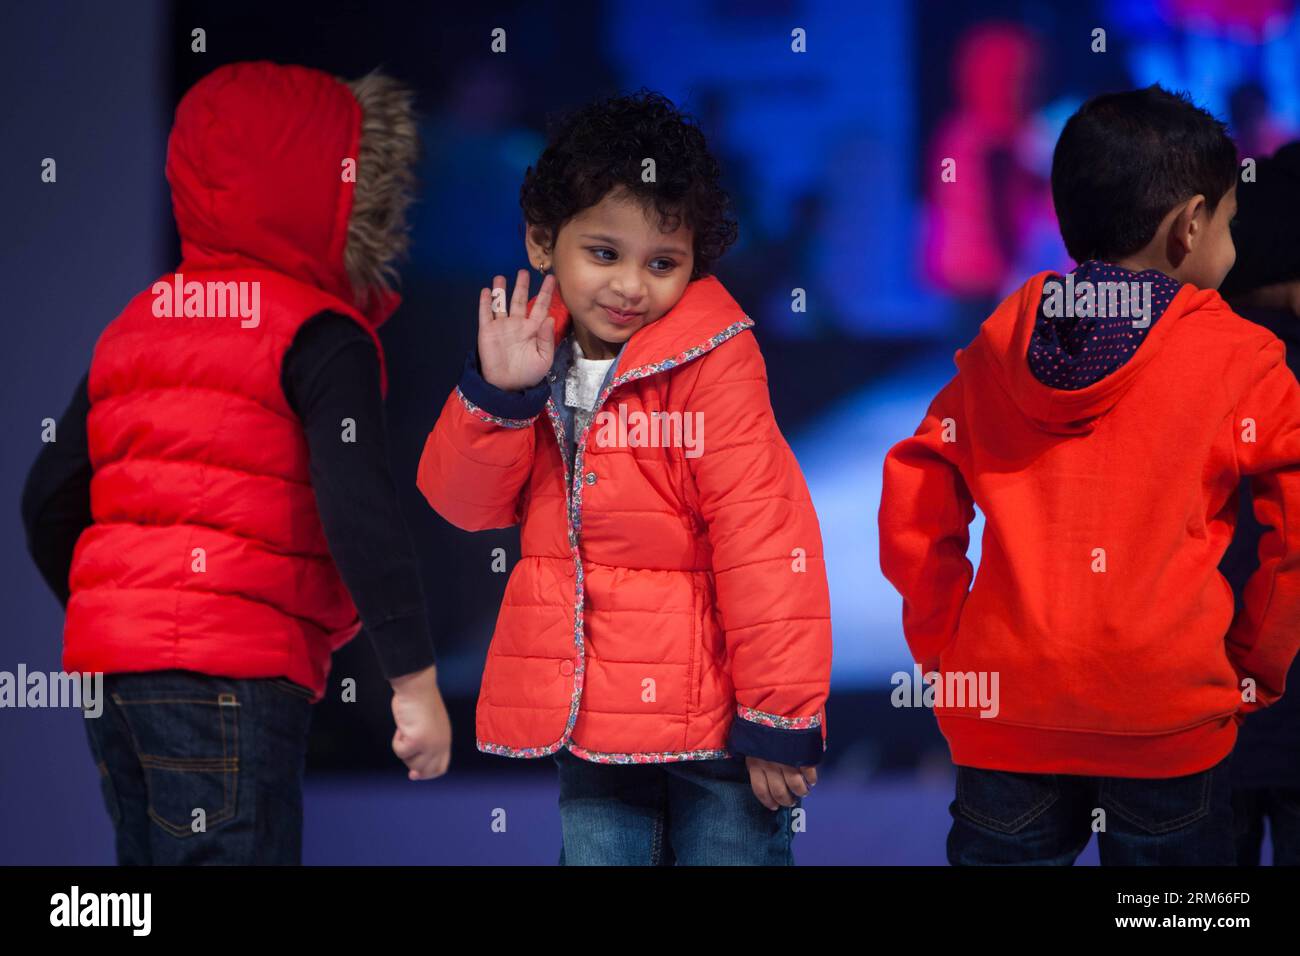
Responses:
[777,721]
[671,756]
[485,416]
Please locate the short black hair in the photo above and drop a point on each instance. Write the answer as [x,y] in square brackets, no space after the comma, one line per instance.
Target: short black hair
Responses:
[1125,159]
[601,147]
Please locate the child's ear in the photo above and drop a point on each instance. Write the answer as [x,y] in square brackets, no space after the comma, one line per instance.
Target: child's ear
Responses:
[538,242]
[1188,226]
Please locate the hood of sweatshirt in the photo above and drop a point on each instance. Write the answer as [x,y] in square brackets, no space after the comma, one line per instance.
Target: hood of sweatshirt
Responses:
[1075,343]
[254,161]
[1043,358]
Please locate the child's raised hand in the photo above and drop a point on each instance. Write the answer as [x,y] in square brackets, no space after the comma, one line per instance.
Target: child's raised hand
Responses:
[515,347]
[777,784]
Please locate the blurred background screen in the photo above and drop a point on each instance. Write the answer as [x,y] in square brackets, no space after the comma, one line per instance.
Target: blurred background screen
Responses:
[833,161]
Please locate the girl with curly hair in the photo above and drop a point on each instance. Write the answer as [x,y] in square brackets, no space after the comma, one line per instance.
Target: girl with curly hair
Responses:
[666,633]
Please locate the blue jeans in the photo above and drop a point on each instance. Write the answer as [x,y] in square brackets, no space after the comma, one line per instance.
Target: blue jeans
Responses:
[1281,805]
[689,813]
[1002,818]
[170,744]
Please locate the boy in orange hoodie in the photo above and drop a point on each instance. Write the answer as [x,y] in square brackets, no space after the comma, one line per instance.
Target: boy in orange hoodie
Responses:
[1101,421]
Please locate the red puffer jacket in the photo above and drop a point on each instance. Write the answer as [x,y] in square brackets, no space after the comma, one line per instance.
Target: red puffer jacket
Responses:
[206,552]
[664,590]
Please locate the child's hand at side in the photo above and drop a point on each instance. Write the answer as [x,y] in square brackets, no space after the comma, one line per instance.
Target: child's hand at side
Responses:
[777,784]
[423,736]
[515,347]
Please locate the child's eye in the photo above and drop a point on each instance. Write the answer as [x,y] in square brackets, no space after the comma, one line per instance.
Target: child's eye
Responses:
[665,264]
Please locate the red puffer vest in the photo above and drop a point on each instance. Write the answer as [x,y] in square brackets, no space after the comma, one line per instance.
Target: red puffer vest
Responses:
[206,552]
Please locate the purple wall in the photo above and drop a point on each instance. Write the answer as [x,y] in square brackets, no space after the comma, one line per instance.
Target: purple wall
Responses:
[84,83]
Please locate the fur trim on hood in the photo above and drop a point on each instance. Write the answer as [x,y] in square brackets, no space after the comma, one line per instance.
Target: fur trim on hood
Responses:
[378,233]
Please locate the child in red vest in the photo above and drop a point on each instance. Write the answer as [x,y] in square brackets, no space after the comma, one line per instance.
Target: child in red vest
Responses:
[670,613]
[1101,422]
[208,470]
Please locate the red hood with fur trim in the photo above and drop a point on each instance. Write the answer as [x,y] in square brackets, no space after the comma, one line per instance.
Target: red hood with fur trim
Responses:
[255,162]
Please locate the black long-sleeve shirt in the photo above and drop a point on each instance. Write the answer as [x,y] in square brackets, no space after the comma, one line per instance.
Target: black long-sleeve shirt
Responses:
[330,372]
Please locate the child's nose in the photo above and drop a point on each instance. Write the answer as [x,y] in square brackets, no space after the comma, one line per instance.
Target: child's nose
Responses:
[630,286]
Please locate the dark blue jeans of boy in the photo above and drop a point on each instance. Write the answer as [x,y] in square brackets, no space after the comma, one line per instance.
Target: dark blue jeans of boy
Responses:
[685,813]
[1002,818]
[202,770]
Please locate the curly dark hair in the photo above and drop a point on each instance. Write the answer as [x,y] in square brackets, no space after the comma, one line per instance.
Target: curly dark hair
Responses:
[601,146]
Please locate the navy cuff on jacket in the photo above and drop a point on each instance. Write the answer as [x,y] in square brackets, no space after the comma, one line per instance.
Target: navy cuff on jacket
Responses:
[498,401]
[402,644]
[795,748]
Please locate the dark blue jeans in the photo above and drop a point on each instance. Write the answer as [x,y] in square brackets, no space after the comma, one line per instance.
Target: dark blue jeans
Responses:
[198,769]
[1002,818]
[688,813]
[1281,806]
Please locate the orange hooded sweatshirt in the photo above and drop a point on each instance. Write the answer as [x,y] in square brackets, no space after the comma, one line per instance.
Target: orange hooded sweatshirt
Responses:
[1099,615]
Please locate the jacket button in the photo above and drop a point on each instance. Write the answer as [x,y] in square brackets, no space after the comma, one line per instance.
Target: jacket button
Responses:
[566,668]
[591,477]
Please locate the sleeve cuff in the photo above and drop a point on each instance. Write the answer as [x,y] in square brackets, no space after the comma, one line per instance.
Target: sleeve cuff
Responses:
[513,409]
[403,645]
[794,741]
